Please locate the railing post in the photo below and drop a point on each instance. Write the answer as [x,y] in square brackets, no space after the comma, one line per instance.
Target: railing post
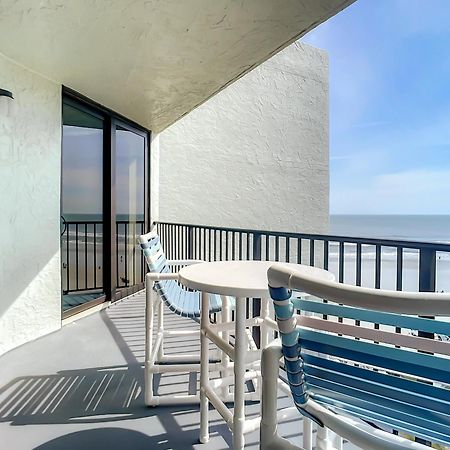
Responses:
[427,270]
[256,256]
[427,276]
[190,242]
[256,247]
[427,283]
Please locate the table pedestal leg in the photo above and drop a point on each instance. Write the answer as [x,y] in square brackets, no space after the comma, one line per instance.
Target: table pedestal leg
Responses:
[204,370]
[239,373]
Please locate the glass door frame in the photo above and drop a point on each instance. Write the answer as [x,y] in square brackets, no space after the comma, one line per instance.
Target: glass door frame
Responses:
[128,126]
[111,120]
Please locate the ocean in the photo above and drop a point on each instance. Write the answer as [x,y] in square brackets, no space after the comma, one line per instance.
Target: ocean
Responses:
[411,228]
[418,228]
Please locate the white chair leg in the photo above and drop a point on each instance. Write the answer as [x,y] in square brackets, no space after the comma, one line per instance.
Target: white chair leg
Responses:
[264,337]
[240,347]
[224,358]
[160,312]
[307,433]
[322,439]
[156,362]
[328,439]
[337,441]
[269,372]
[149,313]
[204,371]
[269,438]
[265,330]
[154,354]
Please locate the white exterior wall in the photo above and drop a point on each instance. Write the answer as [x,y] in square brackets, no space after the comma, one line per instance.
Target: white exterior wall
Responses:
[255,155]
[30,166]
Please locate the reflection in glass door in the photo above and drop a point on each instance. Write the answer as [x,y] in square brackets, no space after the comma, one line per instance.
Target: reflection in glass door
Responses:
[131,149]
[104,204]
[81,206]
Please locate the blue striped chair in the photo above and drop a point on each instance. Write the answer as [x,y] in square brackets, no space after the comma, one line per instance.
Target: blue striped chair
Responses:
[361,382]
[162,286]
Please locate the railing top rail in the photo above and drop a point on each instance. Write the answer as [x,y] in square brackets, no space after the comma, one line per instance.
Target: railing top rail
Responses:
[82,222]
[90,222]
[436,246]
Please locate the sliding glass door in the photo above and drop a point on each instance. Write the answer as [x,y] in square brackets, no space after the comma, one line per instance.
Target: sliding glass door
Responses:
[81,206]
[104,205]
[131,145]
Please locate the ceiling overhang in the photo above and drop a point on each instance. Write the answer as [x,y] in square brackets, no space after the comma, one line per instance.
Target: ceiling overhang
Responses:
[153,61]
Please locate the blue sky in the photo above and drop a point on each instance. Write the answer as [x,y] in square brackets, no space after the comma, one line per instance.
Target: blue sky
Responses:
[389,106]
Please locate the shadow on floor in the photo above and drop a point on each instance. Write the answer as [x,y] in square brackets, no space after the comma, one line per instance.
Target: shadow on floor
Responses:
[96,396]
[111,439]
[103,407]
[84,395]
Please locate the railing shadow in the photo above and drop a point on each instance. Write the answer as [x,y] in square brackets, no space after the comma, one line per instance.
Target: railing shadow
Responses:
[94,396]
[84,395]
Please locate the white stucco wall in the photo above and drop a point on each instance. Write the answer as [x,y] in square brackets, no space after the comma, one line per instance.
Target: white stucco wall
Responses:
[255,155]
[30,165]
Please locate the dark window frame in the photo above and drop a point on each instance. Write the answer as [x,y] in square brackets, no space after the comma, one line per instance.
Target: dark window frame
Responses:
[111,120]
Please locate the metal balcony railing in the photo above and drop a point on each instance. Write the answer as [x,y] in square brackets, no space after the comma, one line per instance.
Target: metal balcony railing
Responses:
[82,255]
[379,263]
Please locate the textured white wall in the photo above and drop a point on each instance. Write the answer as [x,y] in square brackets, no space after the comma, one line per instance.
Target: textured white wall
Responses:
[256,154]
[30,165]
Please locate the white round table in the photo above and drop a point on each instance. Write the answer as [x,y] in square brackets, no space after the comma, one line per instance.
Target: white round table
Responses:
[240,279]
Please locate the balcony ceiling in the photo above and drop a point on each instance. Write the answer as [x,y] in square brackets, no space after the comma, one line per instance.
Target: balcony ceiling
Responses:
[152,61]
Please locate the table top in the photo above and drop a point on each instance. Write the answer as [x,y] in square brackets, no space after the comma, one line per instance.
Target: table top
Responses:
[239,278]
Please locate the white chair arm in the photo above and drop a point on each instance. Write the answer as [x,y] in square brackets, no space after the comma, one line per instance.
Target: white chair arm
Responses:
[183,262]
[156,276]
[360,433]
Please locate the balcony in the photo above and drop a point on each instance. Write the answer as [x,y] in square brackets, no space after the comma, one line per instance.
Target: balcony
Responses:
[89,388]
[181,81]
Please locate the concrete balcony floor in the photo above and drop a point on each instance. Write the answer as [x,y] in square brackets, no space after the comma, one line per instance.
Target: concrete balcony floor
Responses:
[82,388]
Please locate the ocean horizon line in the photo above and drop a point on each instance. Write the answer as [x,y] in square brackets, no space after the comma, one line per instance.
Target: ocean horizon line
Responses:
[389,215]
